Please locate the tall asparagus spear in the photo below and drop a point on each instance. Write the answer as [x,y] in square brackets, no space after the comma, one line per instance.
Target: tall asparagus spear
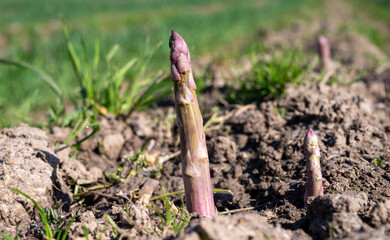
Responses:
[324,52]
[195,161]
[313,169]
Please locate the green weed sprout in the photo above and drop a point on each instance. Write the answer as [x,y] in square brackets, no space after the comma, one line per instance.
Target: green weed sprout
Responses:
[104,85]
[7,237]
[175,218]
[85,232]
[323,50]
[379,162]
[105,88]
[269,78]
[115,229]
[195,161]
[59,234]
[314,186]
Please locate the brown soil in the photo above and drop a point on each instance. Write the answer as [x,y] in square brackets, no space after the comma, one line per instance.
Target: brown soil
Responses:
[257,154]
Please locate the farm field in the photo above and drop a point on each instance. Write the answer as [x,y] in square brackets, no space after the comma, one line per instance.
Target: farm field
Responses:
[93,131]
[134,26]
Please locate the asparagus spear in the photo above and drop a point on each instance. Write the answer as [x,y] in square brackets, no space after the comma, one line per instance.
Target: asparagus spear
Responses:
[313,169]
[195,161]
[324,53]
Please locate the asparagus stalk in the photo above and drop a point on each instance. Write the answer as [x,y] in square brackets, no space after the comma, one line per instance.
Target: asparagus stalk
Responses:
[313,169]
[195,161]
[324,53]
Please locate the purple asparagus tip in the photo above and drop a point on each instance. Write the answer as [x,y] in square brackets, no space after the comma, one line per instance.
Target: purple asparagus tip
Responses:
[311,144]
[314,186]
[178,46]
[180,60]
[323,49]
[323,46]
[310,135]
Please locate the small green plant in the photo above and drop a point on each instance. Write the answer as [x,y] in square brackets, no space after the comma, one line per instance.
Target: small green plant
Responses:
[48,232]
[49,217]
[268,79]
[141,161]
[7,237]
[378,161]
[58,117]
[115,229]
[281,111]
[104,86]
[113,177]
[83,121]
[330,231]
[175,218]
[334,80]
[85,232]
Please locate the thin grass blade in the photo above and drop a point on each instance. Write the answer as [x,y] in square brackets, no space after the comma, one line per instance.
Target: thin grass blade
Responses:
[49,233]
[44,76]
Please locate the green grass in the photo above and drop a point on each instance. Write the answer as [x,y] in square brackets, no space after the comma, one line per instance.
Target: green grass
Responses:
[268,78]
[377,10]
[34,36]
[102,87]
[374,35]
[115,229]
[175,218]
[53,224]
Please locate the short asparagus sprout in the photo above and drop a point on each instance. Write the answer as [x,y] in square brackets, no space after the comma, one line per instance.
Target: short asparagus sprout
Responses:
[195,161]
[324,53]
[314,186]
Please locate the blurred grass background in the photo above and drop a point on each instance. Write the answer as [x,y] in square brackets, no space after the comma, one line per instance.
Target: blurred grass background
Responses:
[31,31]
